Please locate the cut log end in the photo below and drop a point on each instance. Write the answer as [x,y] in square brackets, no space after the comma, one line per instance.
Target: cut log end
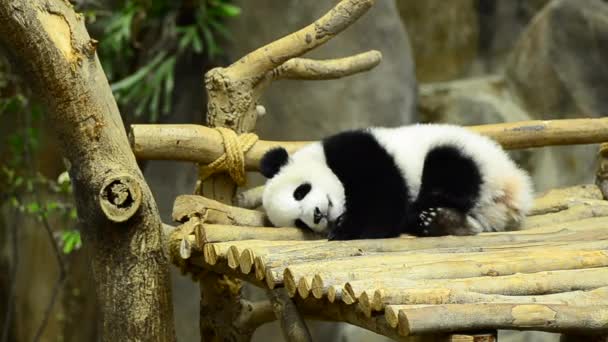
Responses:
[260,269]
[210,254]
[290,282]
[272,279]
[233,257]
[304,287]
[392,316]
[317,288]
[335,295]
[246,260]
[365,304]
[120,197]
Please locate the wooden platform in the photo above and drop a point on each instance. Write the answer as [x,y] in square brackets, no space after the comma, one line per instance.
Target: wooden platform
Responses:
[551,276]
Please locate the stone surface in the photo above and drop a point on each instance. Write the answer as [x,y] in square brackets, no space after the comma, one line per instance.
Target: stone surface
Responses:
[562,56]
[557,70]
[444,36]
[501,22]
[486,100]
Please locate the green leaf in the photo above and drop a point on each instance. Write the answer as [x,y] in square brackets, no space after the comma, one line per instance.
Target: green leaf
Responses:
[131,80]
[228,10]
[73,214]
[32,208]
[14,202]
[18,181]
[71,240]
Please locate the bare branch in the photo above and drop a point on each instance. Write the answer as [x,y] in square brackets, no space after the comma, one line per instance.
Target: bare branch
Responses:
[268,57]
[311,69]
[254,314]
[204,145]
[293,326]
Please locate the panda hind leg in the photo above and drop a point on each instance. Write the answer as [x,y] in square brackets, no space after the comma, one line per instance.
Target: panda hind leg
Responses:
[440,221]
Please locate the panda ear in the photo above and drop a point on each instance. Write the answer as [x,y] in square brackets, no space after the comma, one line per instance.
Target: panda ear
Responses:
[272,161]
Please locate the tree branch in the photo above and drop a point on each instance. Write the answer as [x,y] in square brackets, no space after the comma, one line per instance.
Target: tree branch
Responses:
[293,326]
[50,44]
[270,56]
[310,69]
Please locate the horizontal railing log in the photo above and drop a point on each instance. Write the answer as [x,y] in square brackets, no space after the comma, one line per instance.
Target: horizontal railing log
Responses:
[202,144]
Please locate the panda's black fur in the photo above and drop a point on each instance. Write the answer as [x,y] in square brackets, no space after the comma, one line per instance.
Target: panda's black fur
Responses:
[377,196]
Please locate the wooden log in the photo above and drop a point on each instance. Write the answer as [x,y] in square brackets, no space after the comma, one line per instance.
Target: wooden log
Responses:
[332,271]
[203,145]
[276,259]
[439,296]
[212,252]
[465,317]
[450,265]
[577,210]
[223,233]
[559,199]
[187,206]
[249,254]
[375,294]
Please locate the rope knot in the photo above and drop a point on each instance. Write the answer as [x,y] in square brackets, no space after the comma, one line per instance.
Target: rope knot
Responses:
[233,159]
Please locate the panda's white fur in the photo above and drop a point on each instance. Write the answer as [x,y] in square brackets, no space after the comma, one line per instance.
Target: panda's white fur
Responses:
[505,194]
[306,165]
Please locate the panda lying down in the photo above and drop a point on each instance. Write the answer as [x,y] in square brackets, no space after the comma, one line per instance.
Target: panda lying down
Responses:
[424,180]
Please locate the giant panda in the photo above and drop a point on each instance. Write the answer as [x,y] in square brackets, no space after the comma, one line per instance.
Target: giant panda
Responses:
[422,180]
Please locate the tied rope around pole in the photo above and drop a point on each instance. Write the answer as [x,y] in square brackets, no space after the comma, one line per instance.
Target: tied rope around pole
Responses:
[233,159]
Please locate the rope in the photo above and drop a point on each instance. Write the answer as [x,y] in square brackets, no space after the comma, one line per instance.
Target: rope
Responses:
[233,159]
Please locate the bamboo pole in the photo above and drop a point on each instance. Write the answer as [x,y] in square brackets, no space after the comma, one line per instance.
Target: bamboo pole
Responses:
[201,144]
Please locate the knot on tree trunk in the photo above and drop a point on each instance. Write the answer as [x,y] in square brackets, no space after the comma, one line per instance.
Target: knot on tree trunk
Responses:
[120,197]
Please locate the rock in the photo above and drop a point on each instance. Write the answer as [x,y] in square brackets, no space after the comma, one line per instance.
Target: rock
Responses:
[444,36]
[557,70]
[500,25]
[313,109]
[486,100]
[558,67]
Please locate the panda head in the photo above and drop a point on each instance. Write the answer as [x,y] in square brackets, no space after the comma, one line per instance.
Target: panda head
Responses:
[301,190]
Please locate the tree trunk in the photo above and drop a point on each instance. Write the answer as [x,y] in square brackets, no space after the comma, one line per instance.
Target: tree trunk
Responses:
[119,218]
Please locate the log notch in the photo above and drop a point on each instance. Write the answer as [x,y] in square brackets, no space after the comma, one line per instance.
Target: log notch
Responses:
[119,219]
[233,93]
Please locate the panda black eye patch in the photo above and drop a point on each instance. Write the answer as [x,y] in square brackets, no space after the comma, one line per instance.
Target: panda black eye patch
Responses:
[301,191]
